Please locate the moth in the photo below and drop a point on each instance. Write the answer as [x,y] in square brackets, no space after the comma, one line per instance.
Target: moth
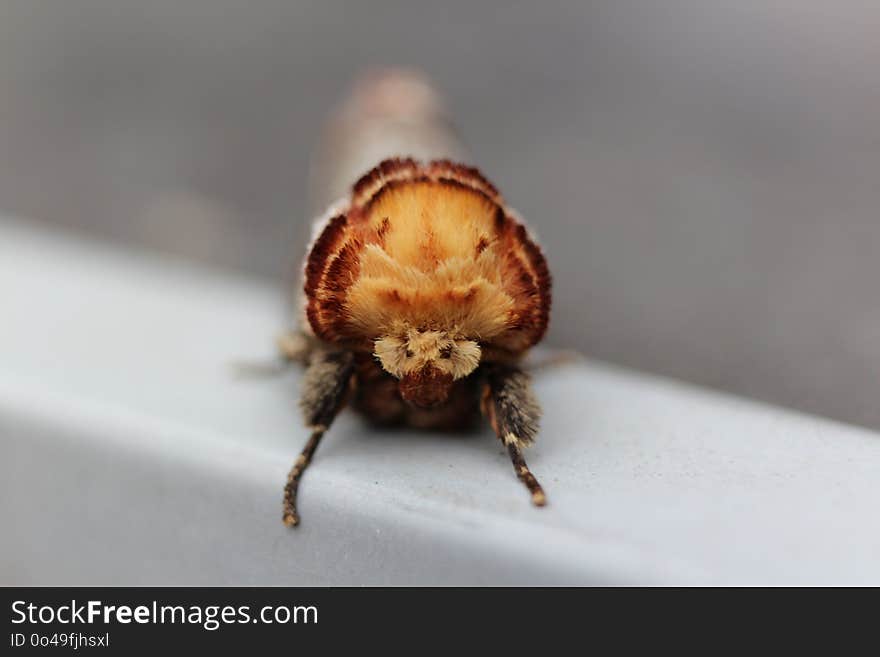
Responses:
[422,291]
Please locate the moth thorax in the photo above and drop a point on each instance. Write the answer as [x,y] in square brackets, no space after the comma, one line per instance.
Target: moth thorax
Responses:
[427,362]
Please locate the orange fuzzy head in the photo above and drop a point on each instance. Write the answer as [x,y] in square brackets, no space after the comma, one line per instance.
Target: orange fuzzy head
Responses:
[428,270]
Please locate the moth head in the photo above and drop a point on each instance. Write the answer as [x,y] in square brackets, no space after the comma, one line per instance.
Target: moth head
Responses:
[427,362]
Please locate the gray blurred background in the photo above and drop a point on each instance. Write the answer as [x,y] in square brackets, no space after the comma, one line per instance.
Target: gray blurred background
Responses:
[705,176]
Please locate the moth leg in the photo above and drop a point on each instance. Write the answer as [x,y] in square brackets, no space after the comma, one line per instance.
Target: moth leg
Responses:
[293,347]
[513,411]
[324,387]
[552,358]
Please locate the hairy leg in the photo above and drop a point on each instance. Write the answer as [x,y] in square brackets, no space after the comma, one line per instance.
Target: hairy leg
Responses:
[293,347]
[324,387]
[513,412]
[548,359]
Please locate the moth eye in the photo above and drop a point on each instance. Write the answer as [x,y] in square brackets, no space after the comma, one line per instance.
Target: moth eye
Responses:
[446,352]
[410,353]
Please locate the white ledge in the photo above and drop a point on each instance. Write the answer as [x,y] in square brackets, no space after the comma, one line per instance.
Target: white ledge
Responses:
[129,455]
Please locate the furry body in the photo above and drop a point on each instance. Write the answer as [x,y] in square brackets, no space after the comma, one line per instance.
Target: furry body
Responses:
[421,292]
[429,246]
